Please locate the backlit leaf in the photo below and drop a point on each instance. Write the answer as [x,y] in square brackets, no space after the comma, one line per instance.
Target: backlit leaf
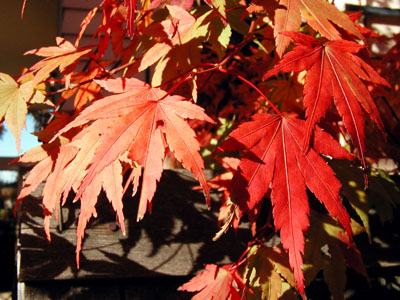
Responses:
[275,162]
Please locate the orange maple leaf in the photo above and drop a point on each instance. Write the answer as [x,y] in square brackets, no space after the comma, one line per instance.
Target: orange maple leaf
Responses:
[137,125]
[64,56]
[214,283]
[318,13]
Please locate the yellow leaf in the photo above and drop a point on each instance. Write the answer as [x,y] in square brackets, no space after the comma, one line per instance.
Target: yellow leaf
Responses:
[13,107]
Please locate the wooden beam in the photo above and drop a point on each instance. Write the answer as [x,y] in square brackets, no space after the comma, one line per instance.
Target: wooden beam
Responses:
[5,164]
[175,240]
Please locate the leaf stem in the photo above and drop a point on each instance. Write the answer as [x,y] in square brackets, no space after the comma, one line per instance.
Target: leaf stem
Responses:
[257,89]
[122,67]
[242,258]
[171,90]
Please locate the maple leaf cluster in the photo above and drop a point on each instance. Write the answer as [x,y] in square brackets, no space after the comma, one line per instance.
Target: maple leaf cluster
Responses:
[245,88]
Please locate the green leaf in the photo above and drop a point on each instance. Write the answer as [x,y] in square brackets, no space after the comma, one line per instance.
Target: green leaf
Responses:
[173,57]
[234,17]
[382,193]
[268,273]
[329,249]
[335,272]
[13,106]
[219,36]
[261,277]
[352,180]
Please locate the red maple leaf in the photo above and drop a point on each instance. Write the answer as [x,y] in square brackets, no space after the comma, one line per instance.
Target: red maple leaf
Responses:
[131,16]
[64,56]
[333,72]
[275,162]
[319,14]
[214,284]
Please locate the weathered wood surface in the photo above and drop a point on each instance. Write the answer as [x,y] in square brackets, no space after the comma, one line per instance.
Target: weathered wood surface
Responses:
[123,289]
[163,251]
[175,240]
[5,164]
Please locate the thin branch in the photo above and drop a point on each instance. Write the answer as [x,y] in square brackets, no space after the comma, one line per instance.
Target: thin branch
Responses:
[257,90]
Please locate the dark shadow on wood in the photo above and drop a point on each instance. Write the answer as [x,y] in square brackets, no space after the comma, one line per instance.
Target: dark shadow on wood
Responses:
[175,241]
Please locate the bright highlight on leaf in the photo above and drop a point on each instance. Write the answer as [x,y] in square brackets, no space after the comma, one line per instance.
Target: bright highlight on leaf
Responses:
[14,100]
[318,13]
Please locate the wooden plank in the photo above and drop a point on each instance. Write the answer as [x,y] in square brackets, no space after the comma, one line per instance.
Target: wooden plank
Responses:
[68,290]
[176,240]
[123,289]
[83,4]
[165,289]
[105,255]
[5,164]
[72,19]
[375,11]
